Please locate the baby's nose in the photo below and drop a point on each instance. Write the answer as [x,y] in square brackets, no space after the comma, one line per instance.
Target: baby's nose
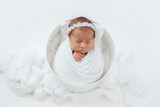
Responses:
[83,45]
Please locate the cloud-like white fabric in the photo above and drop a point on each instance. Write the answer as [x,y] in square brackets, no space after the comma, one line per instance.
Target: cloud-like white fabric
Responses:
[87,71]
[35,75]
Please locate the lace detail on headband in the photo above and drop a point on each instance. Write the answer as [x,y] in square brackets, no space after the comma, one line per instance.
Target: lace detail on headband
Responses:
[84,24]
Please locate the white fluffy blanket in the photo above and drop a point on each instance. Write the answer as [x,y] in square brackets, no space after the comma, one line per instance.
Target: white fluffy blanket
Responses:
[33,74]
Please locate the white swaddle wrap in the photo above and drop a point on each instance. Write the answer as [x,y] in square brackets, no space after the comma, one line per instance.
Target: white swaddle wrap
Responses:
[84,72]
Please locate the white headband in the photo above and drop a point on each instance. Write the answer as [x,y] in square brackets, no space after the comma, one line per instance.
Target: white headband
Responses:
[84,24]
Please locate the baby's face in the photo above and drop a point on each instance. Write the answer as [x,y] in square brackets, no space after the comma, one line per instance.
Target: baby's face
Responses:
[82,41]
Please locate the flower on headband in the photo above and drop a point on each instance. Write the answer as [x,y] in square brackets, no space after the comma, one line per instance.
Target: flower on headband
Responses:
[83,24]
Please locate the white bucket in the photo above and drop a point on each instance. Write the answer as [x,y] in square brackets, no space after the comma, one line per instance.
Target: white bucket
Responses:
[58,36]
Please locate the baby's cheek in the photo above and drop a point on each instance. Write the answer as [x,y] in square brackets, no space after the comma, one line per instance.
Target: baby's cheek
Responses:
[90,47]
[75,47]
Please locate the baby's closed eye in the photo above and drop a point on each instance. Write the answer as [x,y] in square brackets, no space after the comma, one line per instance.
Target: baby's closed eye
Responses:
[79,41]
[88,41]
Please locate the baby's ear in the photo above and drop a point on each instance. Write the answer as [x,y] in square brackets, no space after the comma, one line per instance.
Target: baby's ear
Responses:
[69,36]
[94,36]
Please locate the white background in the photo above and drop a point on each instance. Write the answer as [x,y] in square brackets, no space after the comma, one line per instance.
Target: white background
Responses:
[134,25]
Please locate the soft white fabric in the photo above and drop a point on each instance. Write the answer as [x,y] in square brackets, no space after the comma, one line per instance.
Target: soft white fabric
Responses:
[34,74]
[87,71]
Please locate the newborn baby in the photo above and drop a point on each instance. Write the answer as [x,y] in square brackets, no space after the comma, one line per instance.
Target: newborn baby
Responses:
[79,59]
[81,38]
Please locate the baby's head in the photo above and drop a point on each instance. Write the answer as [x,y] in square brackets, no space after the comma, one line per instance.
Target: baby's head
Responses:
[81,38]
